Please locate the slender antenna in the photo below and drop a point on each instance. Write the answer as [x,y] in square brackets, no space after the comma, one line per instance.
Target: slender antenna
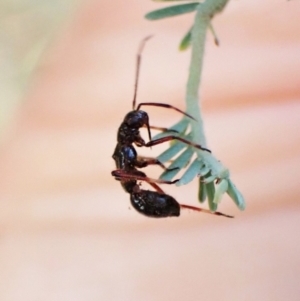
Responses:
[138,63]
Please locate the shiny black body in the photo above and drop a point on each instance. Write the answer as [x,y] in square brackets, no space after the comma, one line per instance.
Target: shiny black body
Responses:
[129,130]
[147,202]
[154,204]
[125,155]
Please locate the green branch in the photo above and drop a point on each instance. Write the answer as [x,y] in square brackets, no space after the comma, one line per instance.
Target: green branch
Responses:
[214,178]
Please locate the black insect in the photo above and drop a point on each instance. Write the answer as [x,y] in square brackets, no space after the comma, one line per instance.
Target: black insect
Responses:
[150,203]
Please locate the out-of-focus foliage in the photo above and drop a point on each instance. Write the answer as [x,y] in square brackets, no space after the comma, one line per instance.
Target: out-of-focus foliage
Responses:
[26,27]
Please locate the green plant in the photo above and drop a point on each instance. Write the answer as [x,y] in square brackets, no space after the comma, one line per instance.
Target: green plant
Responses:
[214,178]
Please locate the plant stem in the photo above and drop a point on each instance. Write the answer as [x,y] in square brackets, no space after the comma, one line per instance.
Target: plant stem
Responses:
[192,95]
[202,23]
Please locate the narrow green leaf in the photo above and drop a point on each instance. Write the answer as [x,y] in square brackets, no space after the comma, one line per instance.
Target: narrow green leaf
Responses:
[174,149]
[186,41]
[221,188]
[236,196]
[214,34]
[190,173]
[172,11]
[171,152]
[210,179]
[201,191]
[181,126]
[210,191]
[164,134]
[180,162]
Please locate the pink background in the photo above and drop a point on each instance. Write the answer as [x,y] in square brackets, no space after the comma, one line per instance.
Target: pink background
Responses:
[66,230]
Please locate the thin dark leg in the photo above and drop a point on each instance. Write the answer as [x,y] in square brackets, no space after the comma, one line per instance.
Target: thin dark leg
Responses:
[157,188]
[123,175]
[169,138]
[162,129]
[155,128]
[144,161]
[204,210]
[164,105]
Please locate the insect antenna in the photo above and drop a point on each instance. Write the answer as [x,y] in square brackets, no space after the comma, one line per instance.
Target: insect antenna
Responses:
[137,71]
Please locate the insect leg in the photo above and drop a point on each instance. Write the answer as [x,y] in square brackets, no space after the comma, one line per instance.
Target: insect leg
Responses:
[157,188]
[125,175]
[204,210]
[145,161]
[162,129]
[169,138]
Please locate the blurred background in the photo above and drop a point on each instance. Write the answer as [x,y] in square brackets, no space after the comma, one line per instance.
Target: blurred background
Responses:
[67,231]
